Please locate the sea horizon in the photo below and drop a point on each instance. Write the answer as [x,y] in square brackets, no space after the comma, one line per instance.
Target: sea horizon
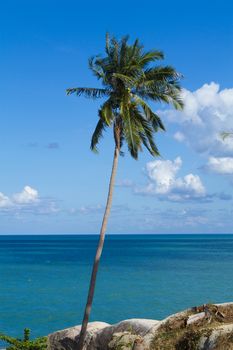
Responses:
[115,234]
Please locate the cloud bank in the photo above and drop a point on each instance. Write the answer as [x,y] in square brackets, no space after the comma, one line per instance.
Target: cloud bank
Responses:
[163,181]
[207,113]
[220,165]
[27,201]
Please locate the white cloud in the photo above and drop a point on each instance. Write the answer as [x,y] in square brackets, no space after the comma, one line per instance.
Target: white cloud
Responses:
[28,195]
[165,184]
[27,201]
[223,165]
[208,111]
[179,136]
[125,183]
[98,209]
[91,209]
[163,173]
[4,201]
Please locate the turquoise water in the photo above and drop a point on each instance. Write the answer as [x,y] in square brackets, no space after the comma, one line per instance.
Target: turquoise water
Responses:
[44,279]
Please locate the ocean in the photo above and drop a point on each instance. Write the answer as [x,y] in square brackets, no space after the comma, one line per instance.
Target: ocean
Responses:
[44,279]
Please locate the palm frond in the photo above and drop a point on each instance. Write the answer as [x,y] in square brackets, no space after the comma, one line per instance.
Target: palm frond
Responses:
[130,132]
[149,57]
[89,92]
[97,135]
[167,93]
[123,50]
[106,112]
[161,73]
[96,69]
[127,80]
[145,128]
[107,43]
[225,134]
[115,50]
[177,102]
[144,140]
[149,114]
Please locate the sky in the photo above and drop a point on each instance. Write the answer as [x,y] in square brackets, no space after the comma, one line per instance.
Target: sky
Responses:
[50,181]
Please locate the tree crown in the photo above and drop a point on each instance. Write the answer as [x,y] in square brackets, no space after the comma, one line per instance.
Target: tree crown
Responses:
[129,80]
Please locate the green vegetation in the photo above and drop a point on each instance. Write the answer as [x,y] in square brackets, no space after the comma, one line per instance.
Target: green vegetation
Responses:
[124,341]
[130,79]
[25,343]
[225,135]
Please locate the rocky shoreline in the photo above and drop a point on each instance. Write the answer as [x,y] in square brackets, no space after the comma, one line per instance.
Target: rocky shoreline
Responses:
[206,327]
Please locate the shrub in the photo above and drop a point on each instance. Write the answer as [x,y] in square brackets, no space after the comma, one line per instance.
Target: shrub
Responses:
[25,343]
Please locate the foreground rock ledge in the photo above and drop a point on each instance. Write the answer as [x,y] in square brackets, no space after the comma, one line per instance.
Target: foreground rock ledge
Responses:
[206,327]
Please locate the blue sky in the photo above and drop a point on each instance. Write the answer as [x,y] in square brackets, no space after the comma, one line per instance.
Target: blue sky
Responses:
[50,182]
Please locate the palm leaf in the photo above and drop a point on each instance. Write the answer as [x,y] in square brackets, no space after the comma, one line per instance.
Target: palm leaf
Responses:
[130,132]
[166,93]
[123,50]
[88,92]
[149,57]
[106,113]
[127,80]
[150,115]
[160,73]
[145,143]
[145,128]
[225,134]
[96,69]
[107,43]
[97,135]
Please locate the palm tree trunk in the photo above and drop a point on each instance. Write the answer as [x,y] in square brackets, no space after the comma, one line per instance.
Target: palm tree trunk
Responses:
[98,252]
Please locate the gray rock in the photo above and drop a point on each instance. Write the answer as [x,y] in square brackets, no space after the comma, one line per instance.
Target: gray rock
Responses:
[100,334]
[196,318]
[209,342]
[66,339]
[140,327]
[135,334]
[124,341]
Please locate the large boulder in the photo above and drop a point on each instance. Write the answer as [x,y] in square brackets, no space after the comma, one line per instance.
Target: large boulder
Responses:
[100,334]
[125,341]
[66,339]
[220,337]
[134,326]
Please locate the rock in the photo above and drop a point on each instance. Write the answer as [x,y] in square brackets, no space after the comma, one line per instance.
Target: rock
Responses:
[196,318]
[140,327]
[139,344]
[205,327]
[67,339]
[100,334]
[219,338]
[124,341]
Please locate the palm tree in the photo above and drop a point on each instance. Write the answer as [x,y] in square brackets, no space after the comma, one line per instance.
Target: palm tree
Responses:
[129,79]
[226,134]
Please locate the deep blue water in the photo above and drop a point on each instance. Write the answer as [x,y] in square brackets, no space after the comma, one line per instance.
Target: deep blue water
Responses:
[44,279]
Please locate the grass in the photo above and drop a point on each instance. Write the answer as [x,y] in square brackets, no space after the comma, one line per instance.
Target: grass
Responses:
[176,335]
